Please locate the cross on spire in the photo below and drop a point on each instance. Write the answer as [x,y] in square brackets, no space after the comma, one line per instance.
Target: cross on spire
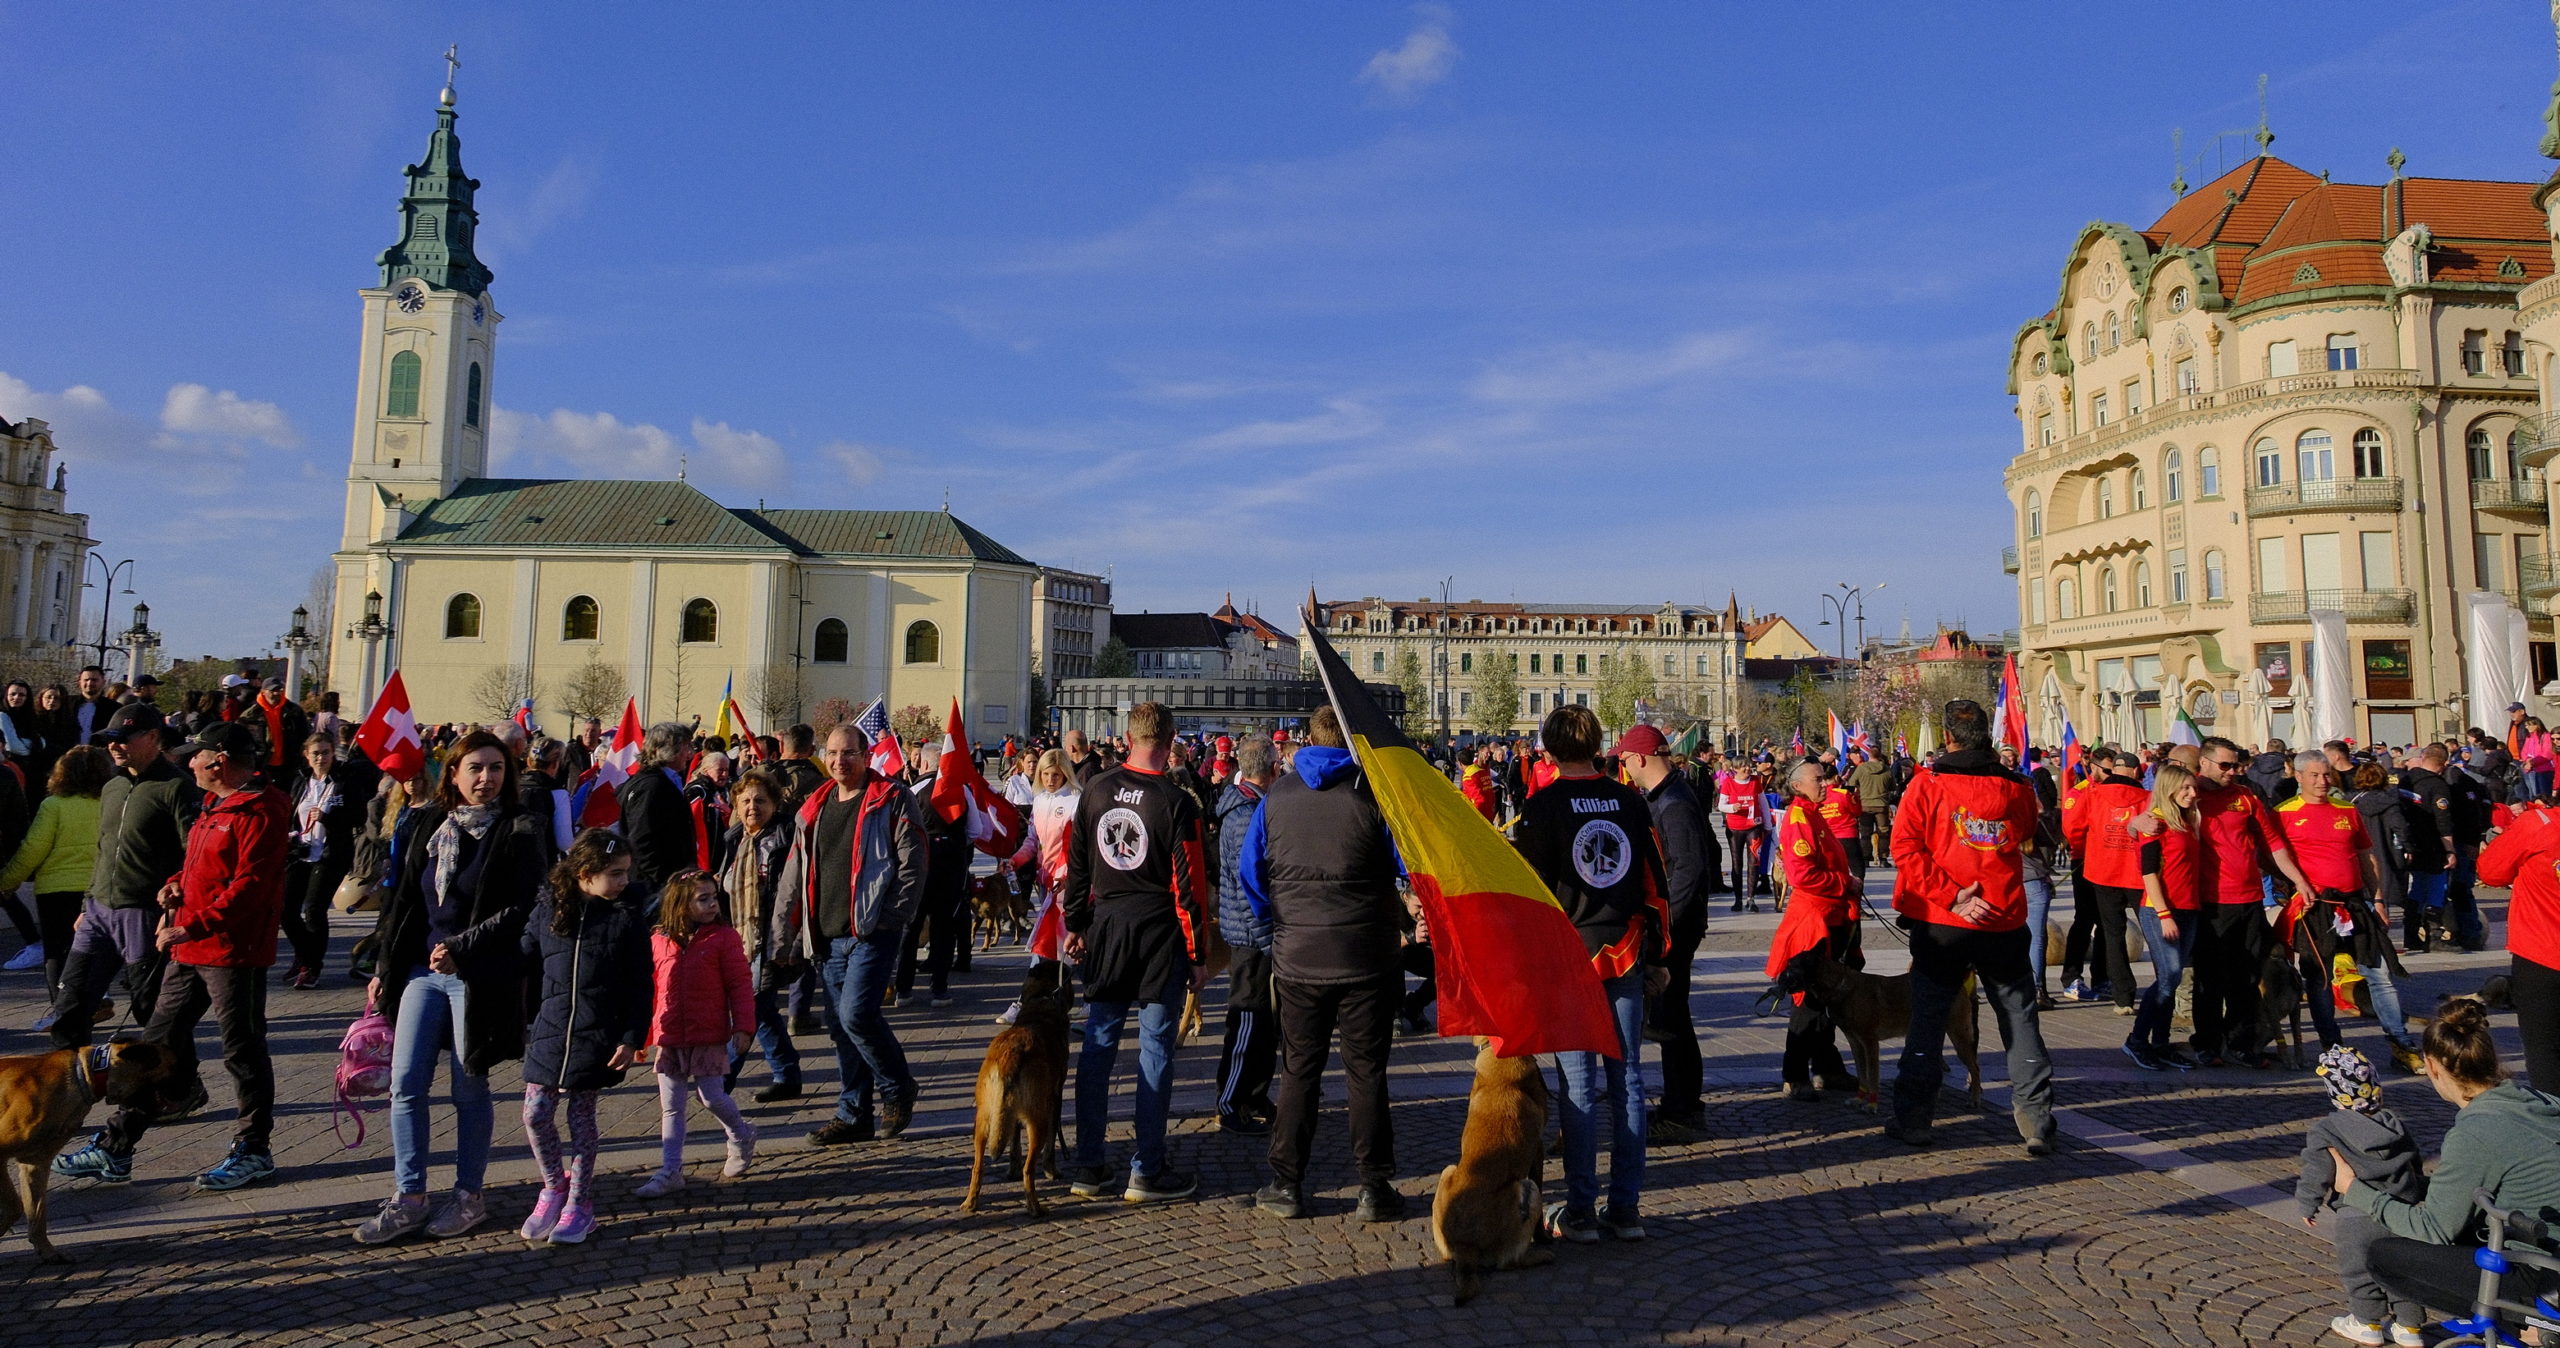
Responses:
[2264,137]
[452,65]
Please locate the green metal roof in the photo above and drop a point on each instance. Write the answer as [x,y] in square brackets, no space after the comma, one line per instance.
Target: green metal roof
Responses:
[542,513]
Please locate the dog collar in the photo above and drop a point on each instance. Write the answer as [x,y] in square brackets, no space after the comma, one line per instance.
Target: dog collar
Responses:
[100,1056]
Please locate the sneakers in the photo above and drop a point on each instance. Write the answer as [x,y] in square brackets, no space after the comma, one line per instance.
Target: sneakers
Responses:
[398,1218]
[1089,1181]
[1621,1226]
[546,1215]
[45,1021]
[95,1162]
[1243,1125]
[305,980]
[1162,1186]
[1664,1131]
[2078,990]
[2408,1060]
[1010,1014]
[1380,1203]
[176,1113]
[894,1115]
[1909,1134]
[2124,1010]
[1801,1092]
[2354,1330]
[742,1153]
[1565,1224]
[661,1184]
[2407,1336]
[29,956]
[241,1168]
[780,1090]
[1280,1201]
[939,1001]
[2144,1058]
[577,1222]
[838,1133]
[2042,1144]
[2175,1059]
[461,1212]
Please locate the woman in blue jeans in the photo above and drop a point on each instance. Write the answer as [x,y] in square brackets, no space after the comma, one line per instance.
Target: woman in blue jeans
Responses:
[2172,906]
[450,965]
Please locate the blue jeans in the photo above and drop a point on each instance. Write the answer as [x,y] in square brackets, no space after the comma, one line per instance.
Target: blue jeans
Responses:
[2039,905]
[2467,928]
[855,972]
[427,1023]
[1594,1084]
[2169,961]
[1157,1021]
[773,1039]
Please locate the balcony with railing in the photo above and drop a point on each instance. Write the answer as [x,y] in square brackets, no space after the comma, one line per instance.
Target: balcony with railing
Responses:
[2510,495]
[2540,573]
[2009,559]
[2541,439]
[2349,493]
[2359,606]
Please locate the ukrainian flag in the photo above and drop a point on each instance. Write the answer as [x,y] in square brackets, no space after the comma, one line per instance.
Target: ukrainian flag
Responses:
[1510,965]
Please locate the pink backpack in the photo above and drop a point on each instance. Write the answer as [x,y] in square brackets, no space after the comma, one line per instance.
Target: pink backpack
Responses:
[364,1070]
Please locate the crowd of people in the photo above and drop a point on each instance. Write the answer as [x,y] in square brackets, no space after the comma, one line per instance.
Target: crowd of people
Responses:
[721,899]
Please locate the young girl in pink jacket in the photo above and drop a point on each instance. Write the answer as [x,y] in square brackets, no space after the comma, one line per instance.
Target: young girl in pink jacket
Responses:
[705,1013]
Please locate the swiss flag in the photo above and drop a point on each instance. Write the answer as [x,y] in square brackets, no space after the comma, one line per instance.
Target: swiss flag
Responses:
[389,735]
[960,792]
[623,754]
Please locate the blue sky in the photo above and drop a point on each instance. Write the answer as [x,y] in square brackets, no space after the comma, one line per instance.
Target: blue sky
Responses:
[1592,302]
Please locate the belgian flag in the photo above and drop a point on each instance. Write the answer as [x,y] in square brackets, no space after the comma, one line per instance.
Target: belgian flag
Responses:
[1510,964]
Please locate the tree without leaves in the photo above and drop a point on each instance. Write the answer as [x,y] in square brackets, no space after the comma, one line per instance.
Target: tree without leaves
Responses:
[500,689]
[774,691]
[1494,698]
[594,691]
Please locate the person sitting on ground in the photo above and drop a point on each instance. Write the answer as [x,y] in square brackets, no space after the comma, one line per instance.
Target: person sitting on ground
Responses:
[2383,1155]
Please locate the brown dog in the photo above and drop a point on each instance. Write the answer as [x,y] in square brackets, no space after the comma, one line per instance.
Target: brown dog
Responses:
[43,1101]
[1019,1088]
[2280,1007]
[1485,1212]
[1215,957]
[1871,1009]
[998,909]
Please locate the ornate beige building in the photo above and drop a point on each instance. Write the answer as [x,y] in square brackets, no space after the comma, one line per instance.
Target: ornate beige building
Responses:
[2285,397]
[468,584]
[43,548]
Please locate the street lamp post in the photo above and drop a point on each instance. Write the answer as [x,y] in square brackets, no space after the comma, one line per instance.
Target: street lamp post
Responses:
[1849,605]
[136,640]
[370,630]
[102,645]
[1440,657]
[298,640]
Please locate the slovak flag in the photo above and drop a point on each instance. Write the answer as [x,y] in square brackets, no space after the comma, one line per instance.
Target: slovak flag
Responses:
[389,735]
[886,759]
[2070,753]
[961,792]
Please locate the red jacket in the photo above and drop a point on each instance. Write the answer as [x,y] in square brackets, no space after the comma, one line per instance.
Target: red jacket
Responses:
[231,890]
[2110,854]
[704,993]
[1476,784]
[1840,810]
[2527,858]
[1965,821]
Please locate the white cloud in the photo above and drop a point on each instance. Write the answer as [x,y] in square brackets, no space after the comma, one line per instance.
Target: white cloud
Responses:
[1402,72]
[197,410]
[558,197]
[1579,373]
[750,459]
[713,455]
[860,464]
[1342,419]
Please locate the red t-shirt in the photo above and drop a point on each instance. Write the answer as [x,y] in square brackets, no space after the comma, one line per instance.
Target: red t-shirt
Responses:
[2328,841]
[1840,810]
[2239,836]
[2109,854]
[2171,855]
[1739,802]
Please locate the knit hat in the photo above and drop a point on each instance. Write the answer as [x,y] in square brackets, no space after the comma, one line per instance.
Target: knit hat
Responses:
[2348,1075]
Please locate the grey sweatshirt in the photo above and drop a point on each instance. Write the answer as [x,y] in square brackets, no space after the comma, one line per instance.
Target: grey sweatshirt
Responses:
[2507,1141]
[2378,1149]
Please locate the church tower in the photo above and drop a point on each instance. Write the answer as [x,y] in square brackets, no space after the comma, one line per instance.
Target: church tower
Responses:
[424,376]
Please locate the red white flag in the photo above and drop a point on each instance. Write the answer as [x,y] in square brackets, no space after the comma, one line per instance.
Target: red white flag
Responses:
[389,735]
[961,792]
[1049,934]
[887,760]
[623,754]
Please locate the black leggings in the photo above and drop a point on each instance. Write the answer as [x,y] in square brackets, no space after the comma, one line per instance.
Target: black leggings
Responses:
[309,886]
[2442,1277]
[946,938]
[56,914]
[20,918]
[2535,989]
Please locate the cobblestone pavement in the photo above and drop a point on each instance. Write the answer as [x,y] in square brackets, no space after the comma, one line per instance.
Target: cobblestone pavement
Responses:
[2165,1219]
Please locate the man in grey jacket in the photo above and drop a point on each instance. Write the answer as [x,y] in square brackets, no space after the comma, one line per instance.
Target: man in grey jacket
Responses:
[143,814]
[850,889]
[1253,1023]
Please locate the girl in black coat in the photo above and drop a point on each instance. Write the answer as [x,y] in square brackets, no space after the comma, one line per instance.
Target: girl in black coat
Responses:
[591,951]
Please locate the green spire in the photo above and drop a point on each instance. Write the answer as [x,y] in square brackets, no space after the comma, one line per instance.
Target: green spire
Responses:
[437,221]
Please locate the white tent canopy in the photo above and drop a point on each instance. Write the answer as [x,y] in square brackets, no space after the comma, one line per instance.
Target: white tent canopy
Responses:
[2332,712]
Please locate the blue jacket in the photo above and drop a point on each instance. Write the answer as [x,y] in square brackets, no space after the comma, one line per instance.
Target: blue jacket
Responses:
[1238,921]
[1319,766]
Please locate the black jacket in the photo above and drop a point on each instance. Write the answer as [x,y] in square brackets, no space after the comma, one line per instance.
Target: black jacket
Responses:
[1688,846]
[338,824]
[2431,818]
[799,777]
[1329,873]
[2266,772]
[658,821]
[593,992]
[489,948]
[142,834]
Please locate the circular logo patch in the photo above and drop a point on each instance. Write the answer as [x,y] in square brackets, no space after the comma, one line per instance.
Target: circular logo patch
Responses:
[1600,854]
[1121,837]
[1803,848]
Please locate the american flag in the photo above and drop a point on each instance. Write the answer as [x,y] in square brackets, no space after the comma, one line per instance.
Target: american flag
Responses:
[886,758]
[874,720]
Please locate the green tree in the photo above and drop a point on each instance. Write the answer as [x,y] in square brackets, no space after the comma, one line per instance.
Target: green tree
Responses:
[1495,695]
[1114,661]
[1625,679]
[1417,690]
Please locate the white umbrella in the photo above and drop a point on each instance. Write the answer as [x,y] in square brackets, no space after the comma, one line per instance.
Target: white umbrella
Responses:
[2256,695]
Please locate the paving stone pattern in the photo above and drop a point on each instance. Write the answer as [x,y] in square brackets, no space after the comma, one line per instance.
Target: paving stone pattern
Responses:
[1795,1224]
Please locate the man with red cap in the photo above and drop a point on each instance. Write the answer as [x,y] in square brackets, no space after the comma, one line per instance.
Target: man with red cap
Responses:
[1680,828]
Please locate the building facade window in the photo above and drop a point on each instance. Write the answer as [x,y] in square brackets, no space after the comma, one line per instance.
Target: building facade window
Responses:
[2475,352]
[2270,464]
[2314,458]
[2208,473]
[2517,444]
[462,618]
[402,400]
[471,397]
[1378,662]
[2342,351]
[2178,300]
[2369,454]
[579,619]
[924,643]
[2106,498]
[2177,575]
[2214,584]
[833,642]
[2115,333]
[2044,429]
[2189,382]
[2142,584]
[2140,485]
[2089,339]
[1582,664]
[2035,513]
[1466,663]
[2483,465]
[2097,409]
[2282,359]
[2511,355]
[2106,589]
[701,623]
[2133,397]
[2066,599]
[2173,477]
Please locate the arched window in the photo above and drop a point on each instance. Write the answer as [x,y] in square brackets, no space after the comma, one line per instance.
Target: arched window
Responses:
[402,401]
[578,620]
[2270,464]
[2141,490]
[2066,599]
[2482,467]
[2312,452]
[924,643]
[2173,477]
[2369,453]
[2035,513]
[462,617]
[2106,589]
[2213,576]
[2106,498]
[2517,444]
[2142,584]
[2115,333]
[471,397]
[701,626]
[833,645]
[2089,339]
[2208,472]
[2178,300]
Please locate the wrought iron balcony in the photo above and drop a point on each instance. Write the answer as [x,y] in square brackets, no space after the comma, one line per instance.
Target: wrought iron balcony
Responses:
[2009,559]
[2360,606]
[2540,573]
[2346,493]
[2541,439]
[2515,495]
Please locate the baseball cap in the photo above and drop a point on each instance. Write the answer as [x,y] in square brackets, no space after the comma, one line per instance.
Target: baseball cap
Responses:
[228,738]
[2515,706]
[275,685]
[147,681]
[133,718]
[1643,739]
